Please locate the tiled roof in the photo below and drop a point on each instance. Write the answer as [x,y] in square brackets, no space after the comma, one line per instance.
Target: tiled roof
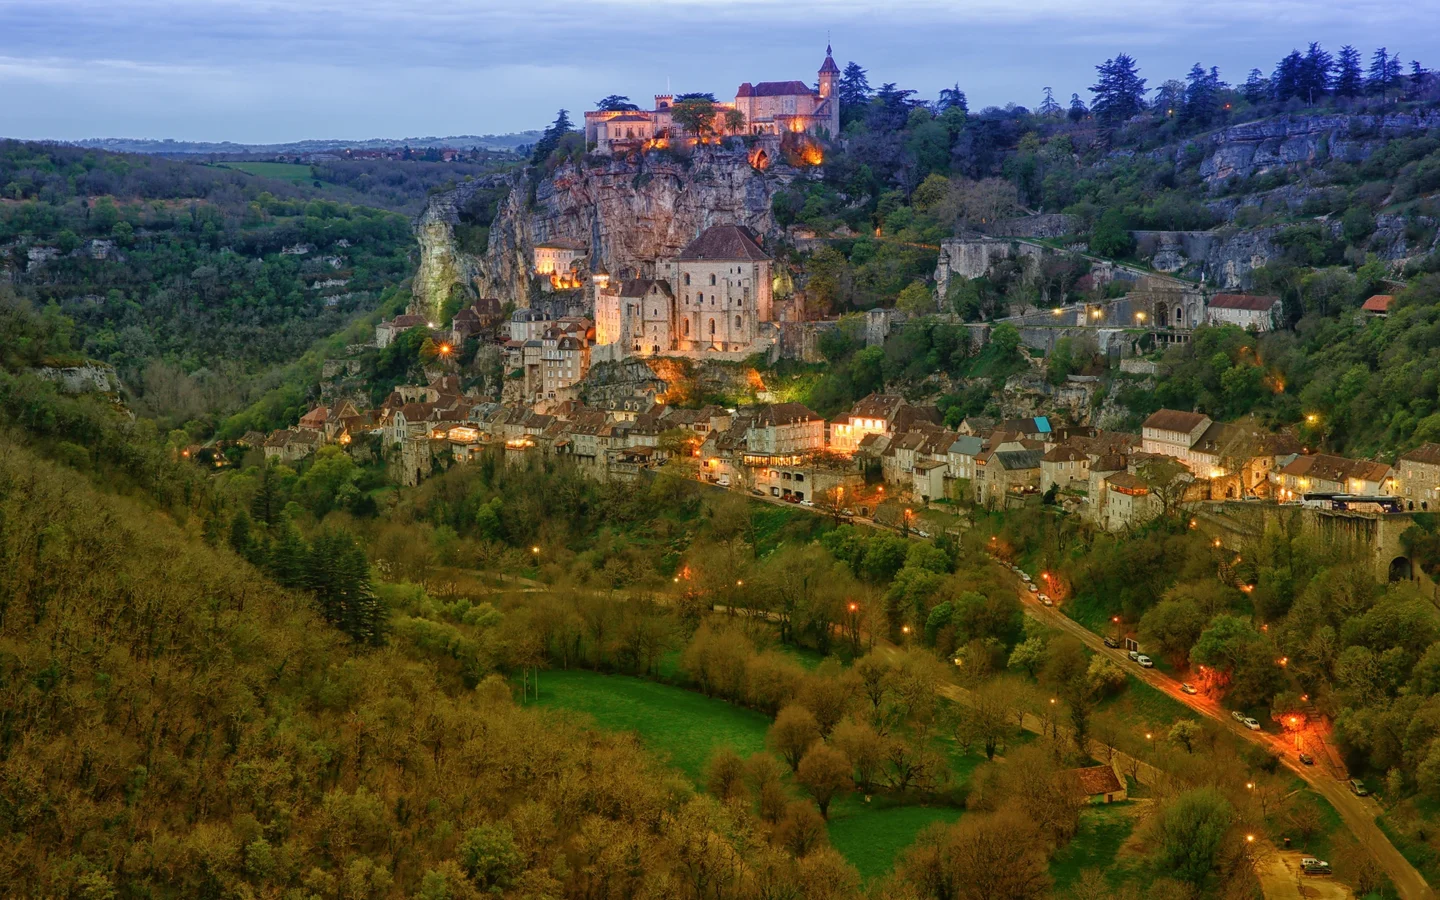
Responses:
[725,242]
[1378,303]
[784,414]
[1015,460]
[1174,420]
[1094,780]
[1063,453]
[1428,454]
[782,89]
[1325,467]
[969,445]
[564,243]
[639,287]
[1127,482]
[1251,302]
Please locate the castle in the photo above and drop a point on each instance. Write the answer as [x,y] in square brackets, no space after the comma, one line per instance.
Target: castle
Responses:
[715,297]
[767,108]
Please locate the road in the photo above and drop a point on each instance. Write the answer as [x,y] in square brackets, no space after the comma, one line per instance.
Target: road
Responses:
[1358,813]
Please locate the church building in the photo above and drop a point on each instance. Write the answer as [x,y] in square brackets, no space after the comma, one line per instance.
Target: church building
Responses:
[767,108]
[714,296]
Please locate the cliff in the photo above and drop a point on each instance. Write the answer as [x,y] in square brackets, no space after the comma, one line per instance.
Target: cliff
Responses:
[629,212]
[1282,141]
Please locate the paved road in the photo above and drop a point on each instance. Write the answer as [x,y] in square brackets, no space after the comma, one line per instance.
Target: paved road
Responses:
[1358,813]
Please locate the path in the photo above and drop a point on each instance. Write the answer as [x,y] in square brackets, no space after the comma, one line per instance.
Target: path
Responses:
[1358,813]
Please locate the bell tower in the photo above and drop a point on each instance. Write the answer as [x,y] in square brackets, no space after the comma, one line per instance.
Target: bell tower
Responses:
[829,76]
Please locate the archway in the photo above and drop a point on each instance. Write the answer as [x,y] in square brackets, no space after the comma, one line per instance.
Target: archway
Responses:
[1401,569]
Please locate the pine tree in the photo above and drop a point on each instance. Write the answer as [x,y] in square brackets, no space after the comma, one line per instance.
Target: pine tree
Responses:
[1077,110]
[285,560]
[1285,83]
[1048,107]
[854,92]
[241,540]
[1382,69]
[1119,91]
[953,98]
[1257,87]
[1313,81]
[1349,77]
[1201,101]
[266,504]
[551,138]
[338,573]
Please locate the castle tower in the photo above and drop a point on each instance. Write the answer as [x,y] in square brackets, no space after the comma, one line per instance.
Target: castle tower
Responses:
[829,76]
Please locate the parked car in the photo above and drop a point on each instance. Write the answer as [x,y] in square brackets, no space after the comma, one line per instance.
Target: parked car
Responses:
[1357,787]
[1312,866]
[1111,643]
[1188,688]
[1045,599]
[1307,759]
[1238,716]
[923,533]
[723,481]
[1134,654]
[1024,577]
[806,503]
[1032,588]
[1145,661]
[1252,724]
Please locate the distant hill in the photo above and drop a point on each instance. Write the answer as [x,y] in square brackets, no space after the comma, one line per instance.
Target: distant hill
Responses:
[170,147]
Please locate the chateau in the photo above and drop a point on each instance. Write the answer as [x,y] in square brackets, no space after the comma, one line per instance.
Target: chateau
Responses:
[715,297]
[766,108]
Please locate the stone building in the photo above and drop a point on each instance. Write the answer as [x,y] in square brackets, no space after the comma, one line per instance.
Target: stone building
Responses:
[559,262]
[714,297]
[1418,476]
[1262,313]
[765,108]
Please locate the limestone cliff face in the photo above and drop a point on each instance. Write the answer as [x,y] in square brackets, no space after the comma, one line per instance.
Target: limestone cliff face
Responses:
[628,212]
[1255,147]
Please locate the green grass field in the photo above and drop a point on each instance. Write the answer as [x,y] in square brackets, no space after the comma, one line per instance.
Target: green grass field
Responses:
[871,835]
[1103,830]
[682,726]
[279,171]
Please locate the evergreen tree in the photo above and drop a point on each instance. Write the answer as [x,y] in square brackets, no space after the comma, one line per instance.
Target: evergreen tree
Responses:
[1313,81]
[241,540]
[615,103]
[1077,110]
[1349,77]
[953,98]
[1048,107]
[285,560]
[1285,83]
[1257,87]
[1202,90]
[338,572]
[854,92]
[265,506]
[551,138]
[1384,72]
[1119,91]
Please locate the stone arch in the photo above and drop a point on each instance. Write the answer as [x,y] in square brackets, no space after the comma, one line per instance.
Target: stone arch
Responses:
[738,326]
[1401,569]
[1179,317]
[1164,318]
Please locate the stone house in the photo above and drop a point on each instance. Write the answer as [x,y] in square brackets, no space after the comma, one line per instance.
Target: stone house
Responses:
[1064,466]
[1417,475]
[1323,473]
[928,479]
[785,428]
[877,414]
[1128,502]
[1171,432]
[292,444]
[962,454]
[1248,311]
[558,262]
[386,332]
[1000,473]
[1099,784]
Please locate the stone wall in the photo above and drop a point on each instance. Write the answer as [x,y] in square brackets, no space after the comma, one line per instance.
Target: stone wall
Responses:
[975,257]
[1043,225]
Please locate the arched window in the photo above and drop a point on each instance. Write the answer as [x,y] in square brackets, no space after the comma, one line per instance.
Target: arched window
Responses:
[712,328]
[737,322]
[687,277]
[686,327]
[712,277]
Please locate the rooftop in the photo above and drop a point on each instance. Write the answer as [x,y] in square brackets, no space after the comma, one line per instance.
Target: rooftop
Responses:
[1175,420]
[1252,302]
[725,242]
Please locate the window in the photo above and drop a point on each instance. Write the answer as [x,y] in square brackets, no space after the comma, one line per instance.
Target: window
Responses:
[737,322]
[712,328]
[687,277]
[687,327]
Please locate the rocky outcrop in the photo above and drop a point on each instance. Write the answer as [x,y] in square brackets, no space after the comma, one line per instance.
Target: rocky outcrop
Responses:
[1042,225]
[629,212]
[93,377]
[1252,148]
[1224,258]
[977,257]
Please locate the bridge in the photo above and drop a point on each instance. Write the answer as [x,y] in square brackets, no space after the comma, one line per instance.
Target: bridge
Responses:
[1237,523]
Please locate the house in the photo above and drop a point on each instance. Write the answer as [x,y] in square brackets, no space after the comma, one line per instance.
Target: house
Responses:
[1099,784]
[1378,306]
[1128,502]
[962,455]
[291,444]
[1417,476]
[1171,432]
[477,318]
[1238,459]
[558,262]
[1323,473]
[1000,473]
[877,414]
[1062,466]
[1249,311]
[386,332]
[928,479]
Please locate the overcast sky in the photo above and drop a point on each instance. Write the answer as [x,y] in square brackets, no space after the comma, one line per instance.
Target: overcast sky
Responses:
[269,71]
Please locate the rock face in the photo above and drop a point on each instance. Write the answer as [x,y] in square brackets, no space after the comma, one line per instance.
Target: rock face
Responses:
[1224,258]
[975,257]
[1255,147]
[90,378]
[629,212]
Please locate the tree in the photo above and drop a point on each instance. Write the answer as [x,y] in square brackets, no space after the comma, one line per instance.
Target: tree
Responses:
[1257,87]
[853,92]
[707,96]
[1077,111]
[823,772]
[1110,236]
[725,774]
[1190,833]
[339,574]
[266,504]
[695,115]
[1167,479]
[1202,93]
[987,721]
[1384,75]
[954,98]
[1049,107]
[1119,91]
[916,299]
[1349,77]
[792,733]
[550,139]
[1183,733]
[1005,338]
[1285,83]
[1313,78]
[488,855]
[615,103]
[1029,655]
[1172,626]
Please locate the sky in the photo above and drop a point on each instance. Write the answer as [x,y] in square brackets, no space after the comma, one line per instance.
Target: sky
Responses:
[262,71]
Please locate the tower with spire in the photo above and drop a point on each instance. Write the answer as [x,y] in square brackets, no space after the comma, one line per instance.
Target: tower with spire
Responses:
[829,82]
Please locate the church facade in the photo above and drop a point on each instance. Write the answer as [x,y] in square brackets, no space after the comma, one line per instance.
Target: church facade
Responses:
[714,297]
[766,108]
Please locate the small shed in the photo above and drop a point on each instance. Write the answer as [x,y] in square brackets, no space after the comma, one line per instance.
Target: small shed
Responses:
[1100,784]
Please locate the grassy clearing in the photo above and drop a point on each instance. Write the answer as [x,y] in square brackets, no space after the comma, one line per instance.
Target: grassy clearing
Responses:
[1103,831]
[1409,825]
[871,835]
[1141,703]
[294,172]
[682,726]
